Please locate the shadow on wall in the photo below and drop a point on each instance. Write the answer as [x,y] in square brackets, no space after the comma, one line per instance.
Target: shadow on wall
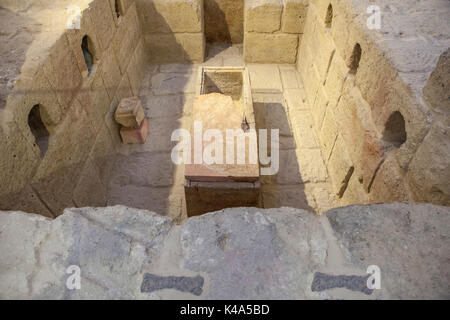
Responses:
[286,188]
[165,43]
[144,176]
[216,25]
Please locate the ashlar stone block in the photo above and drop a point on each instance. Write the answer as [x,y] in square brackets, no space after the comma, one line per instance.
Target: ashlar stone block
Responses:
[270,48]
[130,113]
[171,16]
[294,16]
[263,15]
[135,136]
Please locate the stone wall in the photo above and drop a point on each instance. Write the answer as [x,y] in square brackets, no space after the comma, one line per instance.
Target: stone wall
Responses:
[72,95]
[224,21]
[272,30]
[382,140]
[173,30]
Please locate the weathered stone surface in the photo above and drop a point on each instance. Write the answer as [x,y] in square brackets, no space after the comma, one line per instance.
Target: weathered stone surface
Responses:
[270,48]
[130,113]
[277,196]
[62,72]
[167,16]
[355,193]
[355,125]
[110,71]
[296,100]
[319,108]
[102,17]
[311,165]
[290,77]
[163,106]
[26,200]
[141,197]
[143,169]
[90,190]
[328,134]
[428,174]
[136,67]
[124,90]
[389,183]
[164,48]
[322,50]
[303,127]
[309,73]
[337,74]
[407,234]
[437,87]
[263,252]
[265,78]
[263,15]
[126,38]
[19,261]
[241,253]
[173,83]
[340,167]
[294,16]
[224,21]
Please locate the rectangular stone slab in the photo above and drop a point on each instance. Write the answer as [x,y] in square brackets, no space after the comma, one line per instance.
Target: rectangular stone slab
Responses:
[135,136]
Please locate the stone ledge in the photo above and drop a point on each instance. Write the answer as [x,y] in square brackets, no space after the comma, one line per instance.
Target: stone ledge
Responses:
[409,242]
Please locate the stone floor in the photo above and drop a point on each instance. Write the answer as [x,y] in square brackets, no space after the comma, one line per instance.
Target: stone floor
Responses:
[144,176]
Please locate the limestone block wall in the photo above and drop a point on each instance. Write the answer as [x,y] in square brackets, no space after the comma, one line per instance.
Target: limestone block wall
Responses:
[273,29]
[376,101]
[224,21]
[173,30]
[57,127]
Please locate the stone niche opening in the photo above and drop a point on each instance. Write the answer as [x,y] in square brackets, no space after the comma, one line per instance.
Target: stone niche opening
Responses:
[355,58]
[117,8]
[394,131]
[329,16]
[38,129]
[88,55]
[223,103]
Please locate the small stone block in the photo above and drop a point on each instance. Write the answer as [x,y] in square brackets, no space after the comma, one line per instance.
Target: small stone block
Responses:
[135,136]
[130,113]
